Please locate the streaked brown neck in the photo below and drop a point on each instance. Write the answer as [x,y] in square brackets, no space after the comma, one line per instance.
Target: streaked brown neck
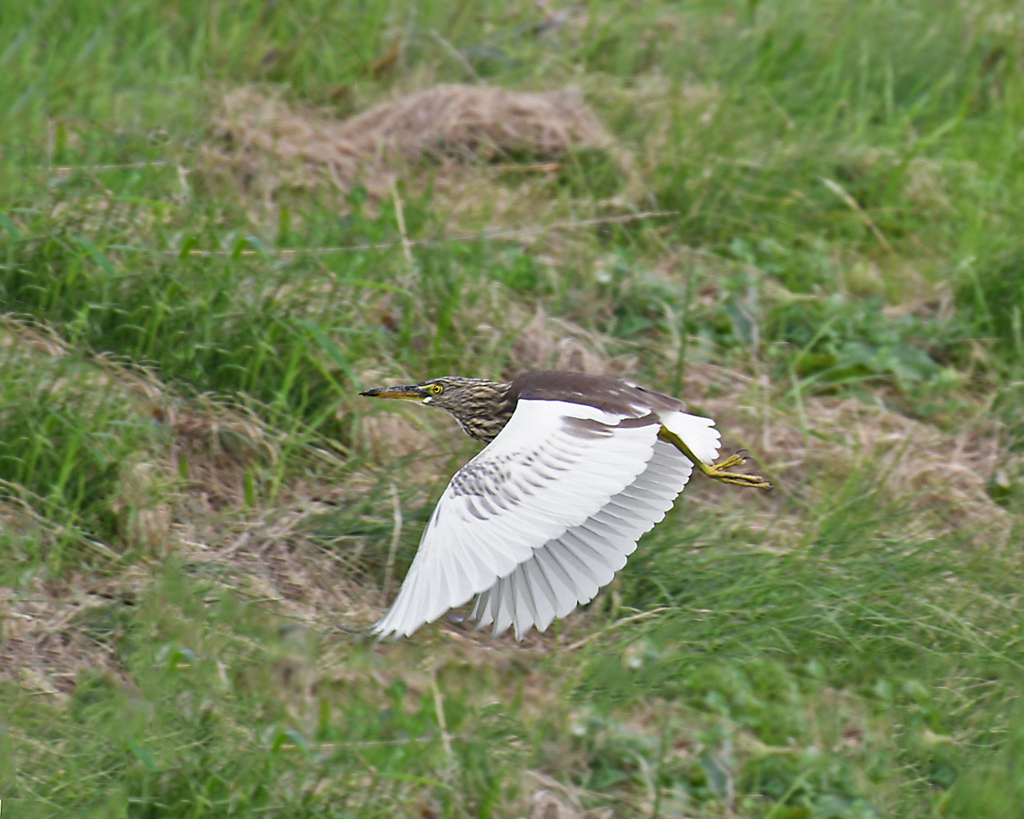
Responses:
[487,414]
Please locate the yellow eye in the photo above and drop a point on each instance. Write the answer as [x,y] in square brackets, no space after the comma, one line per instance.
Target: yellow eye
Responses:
[436,389]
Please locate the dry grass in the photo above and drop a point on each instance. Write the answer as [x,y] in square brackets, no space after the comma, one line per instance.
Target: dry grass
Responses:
[49,631]
[823,439]
[553,343]
[268,144]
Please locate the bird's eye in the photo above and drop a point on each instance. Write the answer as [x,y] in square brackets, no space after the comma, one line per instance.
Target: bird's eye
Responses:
[436,389]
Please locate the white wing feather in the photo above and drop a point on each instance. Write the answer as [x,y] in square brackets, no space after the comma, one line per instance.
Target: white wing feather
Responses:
[538,478]
[567,569]
[545,515]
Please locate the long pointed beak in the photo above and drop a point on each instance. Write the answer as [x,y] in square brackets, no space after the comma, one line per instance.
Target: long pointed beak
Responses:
[410,393]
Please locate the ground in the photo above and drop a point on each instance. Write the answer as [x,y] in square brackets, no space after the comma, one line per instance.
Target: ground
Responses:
[219,222]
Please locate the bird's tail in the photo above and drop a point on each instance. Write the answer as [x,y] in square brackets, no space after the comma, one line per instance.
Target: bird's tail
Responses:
[696,432]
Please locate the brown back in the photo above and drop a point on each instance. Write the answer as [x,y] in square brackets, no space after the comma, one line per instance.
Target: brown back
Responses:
[603,392]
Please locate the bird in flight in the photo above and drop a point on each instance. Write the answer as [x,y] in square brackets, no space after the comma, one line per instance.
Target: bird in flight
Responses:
[576,468]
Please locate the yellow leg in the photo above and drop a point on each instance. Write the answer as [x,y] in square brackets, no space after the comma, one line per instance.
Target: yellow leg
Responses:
[717,471]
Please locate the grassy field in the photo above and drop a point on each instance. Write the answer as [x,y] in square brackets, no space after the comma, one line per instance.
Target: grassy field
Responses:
[199,517]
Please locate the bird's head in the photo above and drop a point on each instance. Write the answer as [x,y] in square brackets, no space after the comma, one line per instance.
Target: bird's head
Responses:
[480,406]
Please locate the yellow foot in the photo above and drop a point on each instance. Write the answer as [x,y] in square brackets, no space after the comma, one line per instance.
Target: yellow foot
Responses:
[719,471]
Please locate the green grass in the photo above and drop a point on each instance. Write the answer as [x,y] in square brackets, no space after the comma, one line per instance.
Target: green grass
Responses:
[198,515]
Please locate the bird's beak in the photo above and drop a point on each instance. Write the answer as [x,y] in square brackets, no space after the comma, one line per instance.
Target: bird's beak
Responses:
[412,393]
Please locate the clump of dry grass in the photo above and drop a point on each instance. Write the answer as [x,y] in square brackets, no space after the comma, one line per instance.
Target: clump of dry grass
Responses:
[267,143]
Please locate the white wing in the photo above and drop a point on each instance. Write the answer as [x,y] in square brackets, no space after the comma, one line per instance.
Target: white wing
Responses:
[568,570]
[544,515]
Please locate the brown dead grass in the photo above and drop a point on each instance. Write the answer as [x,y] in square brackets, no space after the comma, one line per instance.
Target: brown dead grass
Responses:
[553,343]
[267,144]
[940,475]
[561,801]
[52,631]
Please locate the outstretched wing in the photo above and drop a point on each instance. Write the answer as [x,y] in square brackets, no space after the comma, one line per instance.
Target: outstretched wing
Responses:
[550,476]
[569,569]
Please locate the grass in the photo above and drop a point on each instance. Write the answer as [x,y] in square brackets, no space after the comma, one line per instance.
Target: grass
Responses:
[199,517]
